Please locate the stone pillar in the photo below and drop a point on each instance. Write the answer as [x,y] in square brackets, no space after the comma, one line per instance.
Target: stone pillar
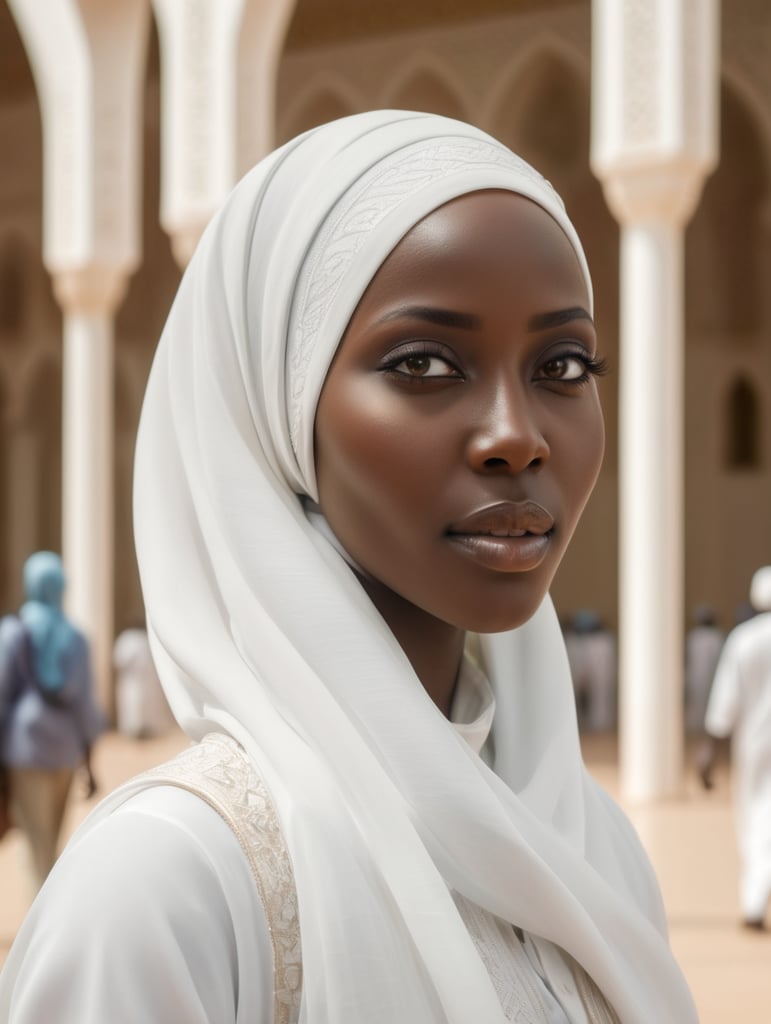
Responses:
[88,61]
[89,299]
[219,60]
[654,138]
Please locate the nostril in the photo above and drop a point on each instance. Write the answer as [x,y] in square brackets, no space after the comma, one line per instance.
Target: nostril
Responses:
[495,462]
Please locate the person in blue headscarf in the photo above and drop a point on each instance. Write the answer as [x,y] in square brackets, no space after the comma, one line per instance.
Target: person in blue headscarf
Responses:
[49,718]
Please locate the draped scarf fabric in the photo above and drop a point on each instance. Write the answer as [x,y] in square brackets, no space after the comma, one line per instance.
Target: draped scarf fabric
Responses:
[261,629]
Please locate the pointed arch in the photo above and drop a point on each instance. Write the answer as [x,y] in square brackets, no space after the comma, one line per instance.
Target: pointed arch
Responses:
[327,97]
[424,83]
[754,104]
[540,106]
[140,317]
[727,263]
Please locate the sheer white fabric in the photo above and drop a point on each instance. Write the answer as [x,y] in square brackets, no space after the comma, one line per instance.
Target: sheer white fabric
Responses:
[260,629]
[518,980]
[166,821]
[117,936]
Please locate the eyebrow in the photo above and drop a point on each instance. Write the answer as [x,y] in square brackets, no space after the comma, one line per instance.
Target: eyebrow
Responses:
[557,318]
[435,315]
[472,322]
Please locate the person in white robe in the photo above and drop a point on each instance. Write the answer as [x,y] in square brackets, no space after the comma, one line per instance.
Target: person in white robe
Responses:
[740,709]
[703,645]
[592,654]
[141,708]
[371,425]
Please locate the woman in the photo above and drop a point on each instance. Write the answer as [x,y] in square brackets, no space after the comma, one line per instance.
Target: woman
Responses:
[48,717]
[371,426]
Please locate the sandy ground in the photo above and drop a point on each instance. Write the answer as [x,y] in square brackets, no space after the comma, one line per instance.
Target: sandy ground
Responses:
[691,842]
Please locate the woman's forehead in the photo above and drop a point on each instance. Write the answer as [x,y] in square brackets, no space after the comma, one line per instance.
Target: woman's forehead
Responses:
[481,233]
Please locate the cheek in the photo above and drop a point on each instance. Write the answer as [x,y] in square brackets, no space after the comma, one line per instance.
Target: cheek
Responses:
[581,452]
[362,457]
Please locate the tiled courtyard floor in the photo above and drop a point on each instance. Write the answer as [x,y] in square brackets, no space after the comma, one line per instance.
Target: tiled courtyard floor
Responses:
[691,841]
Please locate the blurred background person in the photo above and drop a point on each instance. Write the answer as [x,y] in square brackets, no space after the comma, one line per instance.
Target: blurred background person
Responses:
[703,645]
[743,613]
[49,719]
[740,708]
[591,649]
[142,710]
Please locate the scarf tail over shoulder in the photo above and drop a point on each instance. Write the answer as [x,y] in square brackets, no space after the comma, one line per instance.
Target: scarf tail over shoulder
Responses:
[382,806]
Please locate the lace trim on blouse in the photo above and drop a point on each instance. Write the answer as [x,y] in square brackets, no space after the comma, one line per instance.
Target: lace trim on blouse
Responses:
[219,771]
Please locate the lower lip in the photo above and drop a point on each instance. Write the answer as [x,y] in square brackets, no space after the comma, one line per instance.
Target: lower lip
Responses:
[503,554]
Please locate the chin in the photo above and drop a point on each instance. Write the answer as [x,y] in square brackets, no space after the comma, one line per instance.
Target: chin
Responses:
[501,616]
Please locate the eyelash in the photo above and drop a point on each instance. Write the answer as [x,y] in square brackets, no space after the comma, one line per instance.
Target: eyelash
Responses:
[421,350]
[593,367]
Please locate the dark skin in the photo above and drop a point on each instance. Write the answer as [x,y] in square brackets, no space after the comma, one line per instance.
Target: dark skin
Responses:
[459,431]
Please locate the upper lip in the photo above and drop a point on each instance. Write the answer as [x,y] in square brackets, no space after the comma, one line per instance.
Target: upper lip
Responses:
[506,519]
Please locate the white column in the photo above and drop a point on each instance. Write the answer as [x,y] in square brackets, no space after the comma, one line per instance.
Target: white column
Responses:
[651,508]
[88,61]
[654,138]
[89,302]
[218,66]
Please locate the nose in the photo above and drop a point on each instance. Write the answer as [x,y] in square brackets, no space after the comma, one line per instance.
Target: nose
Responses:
[508,438]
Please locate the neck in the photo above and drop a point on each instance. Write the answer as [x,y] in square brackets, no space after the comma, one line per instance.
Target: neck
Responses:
[434,648]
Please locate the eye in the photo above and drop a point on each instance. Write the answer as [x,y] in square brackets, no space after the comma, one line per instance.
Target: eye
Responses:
[424,366]
[572,368]
[421,361]
[566,367]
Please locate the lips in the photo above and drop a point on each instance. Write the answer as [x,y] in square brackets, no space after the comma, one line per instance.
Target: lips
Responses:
[511,536]
[505,519]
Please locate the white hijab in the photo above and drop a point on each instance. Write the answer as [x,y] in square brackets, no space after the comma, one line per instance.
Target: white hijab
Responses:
[260,628]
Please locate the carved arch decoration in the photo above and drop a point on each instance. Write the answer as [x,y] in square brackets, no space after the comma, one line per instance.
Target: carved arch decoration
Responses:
[727,241]
[425,83]
[326,97]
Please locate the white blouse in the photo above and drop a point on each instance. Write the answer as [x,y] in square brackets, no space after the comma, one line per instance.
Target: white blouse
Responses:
[191,945]
[533,981]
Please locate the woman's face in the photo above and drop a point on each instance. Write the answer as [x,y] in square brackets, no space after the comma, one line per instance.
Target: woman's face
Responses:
[459,432]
